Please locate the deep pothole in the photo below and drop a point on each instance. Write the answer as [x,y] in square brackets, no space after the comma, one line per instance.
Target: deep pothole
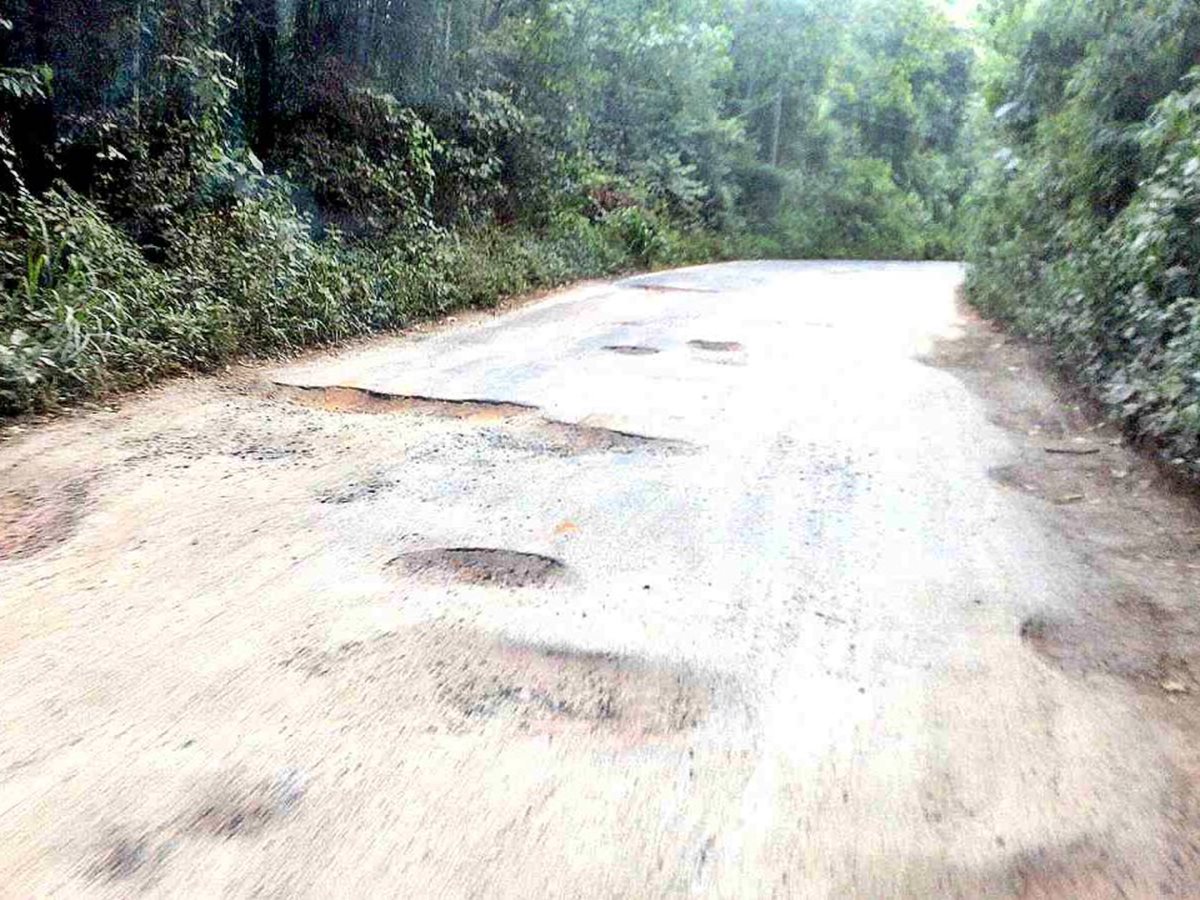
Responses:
[528,427]
[716,346]
[363,400]
[482,565]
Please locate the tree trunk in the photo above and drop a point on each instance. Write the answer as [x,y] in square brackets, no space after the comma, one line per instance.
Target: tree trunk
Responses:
[778,122]
[35,143]
[266,49]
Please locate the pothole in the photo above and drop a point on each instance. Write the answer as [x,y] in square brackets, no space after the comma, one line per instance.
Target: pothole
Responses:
[548,438]
[556,688]
[580,439]
[356,491]
[482,565]
[454,677]
[670,289]
[36,520]
[362,400]
[530,430]
[966,352]
[632,350]
[716,346]
[524,427]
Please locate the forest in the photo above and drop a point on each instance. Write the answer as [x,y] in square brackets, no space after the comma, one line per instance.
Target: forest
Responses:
[1083,221]
[186,182]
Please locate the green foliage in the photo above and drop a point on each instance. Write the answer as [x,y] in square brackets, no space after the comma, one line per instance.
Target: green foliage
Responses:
[1083,224]
[185,181]
[82,307]
[859,212]
[368,160]
[84,311]
[857,111]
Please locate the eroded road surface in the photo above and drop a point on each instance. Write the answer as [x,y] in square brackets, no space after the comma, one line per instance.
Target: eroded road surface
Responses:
[757,580]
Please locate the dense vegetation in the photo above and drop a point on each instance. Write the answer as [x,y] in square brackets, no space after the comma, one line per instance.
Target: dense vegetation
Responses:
[183,181]
[1085,218]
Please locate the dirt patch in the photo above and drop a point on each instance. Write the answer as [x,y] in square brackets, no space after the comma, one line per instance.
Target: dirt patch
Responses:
[1079,870]
[716,346]
[632,350]
[35,520]
[1129,526]
[126,857]
[481,565]
[1132,638]
[236,810]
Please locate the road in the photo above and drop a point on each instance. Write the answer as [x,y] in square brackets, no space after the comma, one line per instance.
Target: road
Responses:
[754,580]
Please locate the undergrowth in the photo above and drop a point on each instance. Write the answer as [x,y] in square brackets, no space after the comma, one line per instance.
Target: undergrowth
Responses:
[85,312]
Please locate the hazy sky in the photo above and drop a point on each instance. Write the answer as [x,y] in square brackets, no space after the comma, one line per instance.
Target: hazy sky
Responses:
[960,10]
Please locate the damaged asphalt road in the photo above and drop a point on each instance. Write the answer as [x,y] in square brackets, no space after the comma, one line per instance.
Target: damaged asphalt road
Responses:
[755,580]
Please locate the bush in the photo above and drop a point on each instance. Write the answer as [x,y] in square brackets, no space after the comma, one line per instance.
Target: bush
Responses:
[1105,272]
[367,159]
[82,309]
